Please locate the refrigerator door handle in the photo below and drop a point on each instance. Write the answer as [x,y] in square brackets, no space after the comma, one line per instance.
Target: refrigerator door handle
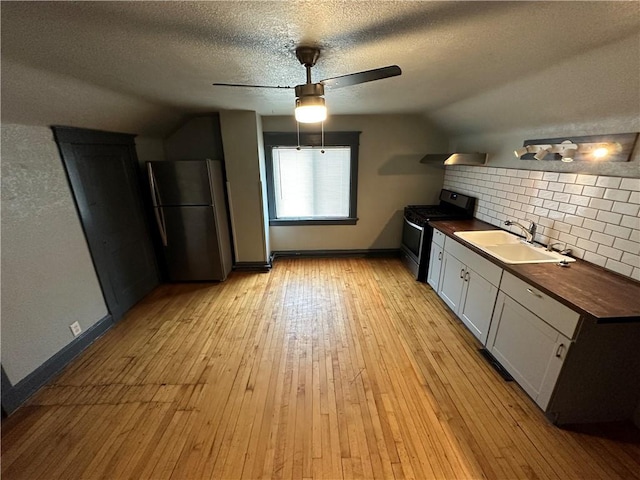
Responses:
[155,199]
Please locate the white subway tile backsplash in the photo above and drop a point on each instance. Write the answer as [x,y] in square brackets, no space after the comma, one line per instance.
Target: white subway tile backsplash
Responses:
[571,188]
[609,217]
[617,231]
[546,222]
[621,268]
[630,184]
[541,211]
[597,192]
[574,220]
[567,178]
[561,197]
[580,200]
[546,194]
[581,232]
[617,195]
[555,215]
[625,208]
[627,246]
[609,252]
[602,238]
[586,212]
[586,180]
[566,208]
[596,216]
[601,204]
[587,244]
[594,225]
[568,239]
[610,182]
[629,259]
[595,258]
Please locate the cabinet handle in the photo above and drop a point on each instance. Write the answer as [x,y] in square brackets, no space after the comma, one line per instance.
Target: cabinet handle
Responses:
[439,255]
[559,350]
[535,294]
[466,276]
[462,273]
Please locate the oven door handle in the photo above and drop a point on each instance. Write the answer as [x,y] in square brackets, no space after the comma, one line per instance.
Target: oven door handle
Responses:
[414,225]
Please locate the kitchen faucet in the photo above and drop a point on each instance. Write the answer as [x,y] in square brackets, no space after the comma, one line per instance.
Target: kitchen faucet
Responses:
[530,232]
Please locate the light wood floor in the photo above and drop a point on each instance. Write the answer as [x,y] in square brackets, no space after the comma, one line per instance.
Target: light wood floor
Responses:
[319,369]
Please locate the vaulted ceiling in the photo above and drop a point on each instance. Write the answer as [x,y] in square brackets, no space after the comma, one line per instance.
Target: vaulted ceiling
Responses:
[467,66]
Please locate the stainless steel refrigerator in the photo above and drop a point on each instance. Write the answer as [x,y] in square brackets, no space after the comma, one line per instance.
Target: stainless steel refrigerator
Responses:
[191,215]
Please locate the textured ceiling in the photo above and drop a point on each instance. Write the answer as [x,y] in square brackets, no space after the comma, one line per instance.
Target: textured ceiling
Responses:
[467,66]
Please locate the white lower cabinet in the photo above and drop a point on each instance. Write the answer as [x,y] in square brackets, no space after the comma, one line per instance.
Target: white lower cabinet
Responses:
[527,347]
[468,293]
[435,259]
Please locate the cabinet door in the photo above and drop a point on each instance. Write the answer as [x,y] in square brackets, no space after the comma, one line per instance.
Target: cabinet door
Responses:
[435,263]
[451,281]
[529,349]
[479,297]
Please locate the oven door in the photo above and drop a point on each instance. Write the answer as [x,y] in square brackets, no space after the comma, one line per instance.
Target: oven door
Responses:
[411,247]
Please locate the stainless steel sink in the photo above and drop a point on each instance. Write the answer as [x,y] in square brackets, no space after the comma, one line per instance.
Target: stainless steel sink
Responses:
[510,248]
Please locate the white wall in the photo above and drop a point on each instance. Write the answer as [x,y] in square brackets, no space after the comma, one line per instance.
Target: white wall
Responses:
[48,278]
[390,176]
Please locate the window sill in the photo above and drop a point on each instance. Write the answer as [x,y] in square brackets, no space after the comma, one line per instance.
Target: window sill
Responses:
[311,221]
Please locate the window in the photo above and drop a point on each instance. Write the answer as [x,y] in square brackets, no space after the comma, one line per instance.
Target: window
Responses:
[306,186]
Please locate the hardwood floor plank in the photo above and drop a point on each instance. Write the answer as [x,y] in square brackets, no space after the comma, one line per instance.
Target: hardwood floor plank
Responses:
[320,369]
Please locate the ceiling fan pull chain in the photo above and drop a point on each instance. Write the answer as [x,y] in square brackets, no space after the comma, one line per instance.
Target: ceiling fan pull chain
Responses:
[322,137]
[298,129]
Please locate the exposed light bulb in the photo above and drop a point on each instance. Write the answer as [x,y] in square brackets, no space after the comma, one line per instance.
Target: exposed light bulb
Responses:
[600,152]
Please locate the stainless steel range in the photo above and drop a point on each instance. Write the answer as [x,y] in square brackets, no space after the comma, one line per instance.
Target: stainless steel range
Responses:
[417,234]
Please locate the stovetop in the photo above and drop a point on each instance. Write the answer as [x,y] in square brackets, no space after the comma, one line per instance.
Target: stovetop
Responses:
[421,214]
[452,205]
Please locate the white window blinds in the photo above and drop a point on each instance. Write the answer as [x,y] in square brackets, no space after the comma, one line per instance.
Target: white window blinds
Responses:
[311,184]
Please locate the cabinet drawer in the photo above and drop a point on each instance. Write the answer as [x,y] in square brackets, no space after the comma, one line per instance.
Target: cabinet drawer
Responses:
[438,237]
[559,316]
[490,271]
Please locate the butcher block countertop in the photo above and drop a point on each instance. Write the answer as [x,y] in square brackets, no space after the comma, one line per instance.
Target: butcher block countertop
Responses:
[584,287]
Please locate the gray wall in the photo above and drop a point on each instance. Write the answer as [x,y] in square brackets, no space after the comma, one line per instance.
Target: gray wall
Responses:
[241,138]
[500,146]
[197,138]
[48,279]
[390,176]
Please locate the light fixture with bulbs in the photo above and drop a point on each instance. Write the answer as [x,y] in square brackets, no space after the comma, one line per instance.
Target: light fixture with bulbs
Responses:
[610,148]
[310,104]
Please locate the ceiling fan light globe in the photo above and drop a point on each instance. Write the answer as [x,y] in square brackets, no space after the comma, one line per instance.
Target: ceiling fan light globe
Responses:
[311,114]
[310,109]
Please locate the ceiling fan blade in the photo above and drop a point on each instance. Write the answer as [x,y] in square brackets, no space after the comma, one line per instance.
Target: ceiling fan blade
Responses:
[249,86]
[362,77]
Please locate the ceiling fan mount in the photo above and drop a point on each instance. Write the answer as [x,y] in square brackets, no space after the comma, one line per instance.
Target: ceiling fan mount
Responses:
[307,56]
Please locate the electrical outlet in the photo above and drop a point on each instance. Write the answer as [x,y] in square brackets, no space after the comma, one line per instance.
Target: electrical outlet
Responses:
[76,329]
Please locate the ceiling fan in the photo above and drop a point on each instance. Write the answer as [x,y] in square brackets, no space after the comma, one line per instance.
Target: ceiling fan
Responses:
[310,104]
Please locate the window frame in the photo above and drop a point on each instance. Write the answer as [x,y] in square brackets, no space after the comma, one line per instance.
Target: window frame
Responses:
[331,139]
